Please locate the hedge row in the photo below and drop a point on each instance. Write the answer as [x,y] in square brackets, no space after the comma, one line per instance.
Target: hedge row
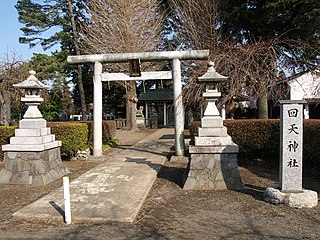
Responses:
[5,134]
[261,138]
[311,142]
[80,139]
[74,135]
[108,130]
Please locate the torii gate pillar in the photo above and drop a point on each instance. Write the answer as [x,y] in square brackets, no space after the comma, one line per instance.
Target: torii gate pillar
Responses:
[176,56]
[97,110]
[178,108]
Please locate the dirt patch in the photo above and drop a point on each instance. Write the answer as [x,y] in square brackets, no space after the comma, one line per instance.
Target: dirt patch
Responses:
[14,197]
[172,213]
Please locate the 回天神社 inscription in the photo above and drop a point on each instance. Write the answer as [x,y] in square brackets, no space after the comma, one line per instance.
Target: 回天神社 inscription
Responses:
[291,146]
[290,191]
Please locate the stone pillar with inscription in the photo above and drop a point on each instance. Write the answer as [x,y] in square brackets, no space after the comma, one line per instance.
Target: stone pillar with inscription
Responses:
[291,142]
[290,189]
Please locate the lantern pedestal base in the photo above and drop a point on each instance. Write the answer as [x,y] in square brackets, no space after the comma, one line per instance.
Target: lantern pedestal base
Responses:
[213,168]
[33,168]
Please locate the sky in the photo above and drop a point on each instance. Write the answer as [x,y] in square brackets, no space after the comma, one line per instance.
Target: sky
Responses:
[10,33]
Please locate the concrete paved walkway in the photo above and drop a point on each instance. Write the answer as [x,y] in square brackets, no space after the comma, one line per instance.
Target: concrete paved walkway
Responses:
[114,190]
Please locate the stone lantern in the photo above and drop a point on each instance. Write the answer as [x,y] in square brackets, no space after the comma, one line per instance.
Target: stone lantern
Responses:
[33,155]
[32,97]
[211,79]
[213,157]
[211,118]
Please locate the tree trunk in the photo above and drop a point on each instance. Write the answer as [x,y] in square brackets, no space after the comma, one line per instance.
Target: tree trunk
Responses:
[5,108]
[82,95]
[1,108]
[131,105]
[263,106]
[77,49]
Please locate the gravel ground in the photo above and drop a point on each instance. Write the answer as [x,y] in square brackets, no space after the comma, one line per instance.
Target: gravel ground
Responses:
[172,213]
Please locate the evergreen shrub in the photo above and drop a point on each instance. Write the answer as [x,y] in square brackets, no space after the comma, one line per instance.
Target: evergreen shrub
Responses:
[255,137]
[258,138]
[74,137]
[108,131]
[5,133]
[311,143]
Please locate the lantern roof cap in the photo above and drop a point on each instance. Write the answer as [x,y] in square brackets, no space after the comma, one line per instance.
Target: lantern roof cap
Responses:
[211,75]
[31,82]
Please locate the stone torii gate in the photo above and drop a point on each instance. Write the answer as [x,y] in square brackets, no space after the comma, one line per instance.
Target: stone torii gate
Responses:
[176,56]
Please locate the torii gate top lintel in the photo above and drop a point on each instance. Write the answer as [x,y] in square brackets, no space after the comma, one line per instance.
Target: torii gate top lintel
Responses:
[143,56]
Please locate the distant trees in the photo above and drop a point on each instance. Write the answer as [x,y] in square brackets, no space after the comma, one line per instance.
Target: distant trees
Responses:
[289,27]
[123,26]
[252,42]
[60,18]
[295,23]
[48,68]
[12,70]
[58,99]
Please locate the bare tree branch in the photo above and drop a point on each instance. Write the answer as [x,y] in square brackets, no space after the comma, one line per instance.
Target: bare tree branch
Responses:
[123,26]
[12,70]
[253,69]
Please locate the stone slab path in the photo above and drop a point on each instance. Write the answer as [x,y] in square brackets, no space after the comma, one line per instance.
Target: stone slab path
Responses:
[114,190]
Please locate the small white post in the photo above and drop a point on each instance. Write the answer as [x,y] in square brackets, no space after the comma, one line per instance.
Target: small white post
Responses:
[67,204]
[223,112]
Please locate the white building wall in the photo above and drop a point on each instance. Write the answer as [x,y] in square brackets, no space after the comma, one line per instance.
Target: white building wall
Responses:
[305,86]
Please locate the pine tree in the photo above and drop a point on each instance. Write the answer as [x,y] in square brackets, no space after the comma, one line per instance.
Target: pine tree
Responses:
[40,18]
[58,99]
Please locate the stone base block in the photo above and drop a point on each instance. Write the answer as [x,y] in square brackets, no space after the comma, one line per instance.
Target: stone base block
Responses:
[35,132]
[213,172]
[214,149]
[34,168]
[211,122]
[299,199]
[32,140]
[212,132]
[30,147]
[32,123]
[213,141]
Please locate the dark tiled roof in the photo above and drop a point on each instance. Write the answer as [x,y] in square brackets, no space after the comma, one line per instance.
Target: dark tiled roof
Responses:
[157,95]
